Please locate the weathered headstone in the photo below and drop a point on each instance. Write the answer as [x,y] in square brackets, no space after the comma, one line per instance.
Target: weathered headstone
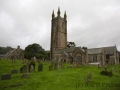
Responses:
[14,71]
[89,77]
[25,75]
[50,67]
[52,63]
[23,69]
[40,67]
[68,66]
[77,64]
[105,67]
[34,58]
[83,64]
[31,63]
[113,70]
[98,65]
[59,62]
[13,60]
[6,77]
[71,66]
[62,64]
[110,73]
[55,66]
[31,68]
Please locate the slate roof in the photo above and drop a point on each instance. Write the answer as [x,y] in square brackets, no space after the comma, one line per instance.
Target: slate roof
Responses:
[68,50]
[109,50]
[10,52]
[95,51]
[7,54]
[67,54]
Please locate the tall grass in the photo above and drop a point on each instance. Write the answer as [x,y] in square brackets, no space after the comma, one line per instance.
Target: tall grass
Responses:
[60,79]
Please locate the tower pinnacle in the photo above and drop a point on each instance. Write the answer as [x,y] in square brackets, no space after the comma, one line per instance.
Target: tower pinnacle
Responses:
[58,11]
[65,16]
[53,15]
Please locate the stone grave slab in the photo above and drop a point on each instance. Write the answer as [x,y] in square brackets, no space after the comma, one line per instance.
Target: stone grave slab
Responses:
[6,77]
[14,71]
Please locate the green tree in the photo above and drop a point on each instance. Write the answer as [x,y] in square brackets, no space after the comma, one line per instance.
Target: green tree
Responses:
[71,44]
[5,50]
[34,50]
[47,56]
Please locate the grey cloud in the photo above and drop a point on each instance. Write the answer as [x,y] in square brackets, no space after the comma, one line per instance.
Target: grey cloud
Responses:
[91,23]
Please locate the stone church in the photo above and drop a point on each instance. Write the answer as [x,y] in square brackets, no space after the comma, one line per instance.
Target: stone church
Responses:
[15,54]
[78,55]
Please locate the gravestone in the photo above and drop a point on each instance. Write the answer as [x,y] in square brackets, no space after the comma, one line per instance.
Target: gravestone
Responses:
[52,63]
[31,63]
[89,77]
[14,71]
[61,63]
[113,70]
[68,66]
[23,69]
[6,77]
[55,66]
[98,65]
[40,67]
[31,68]
[50,67]
[25,75]
[71,66]
[110,73]
[83,64]
[105,67]
[13,60]
[77,64]
[74,66]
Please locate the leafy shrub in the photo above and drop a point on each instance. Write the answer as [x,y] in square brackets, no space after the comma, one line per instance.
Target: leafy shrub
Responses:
[107,73]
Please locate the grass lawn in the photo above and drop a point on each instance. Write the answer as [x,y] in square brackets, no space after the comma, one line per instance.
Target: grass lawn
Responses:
[61,79]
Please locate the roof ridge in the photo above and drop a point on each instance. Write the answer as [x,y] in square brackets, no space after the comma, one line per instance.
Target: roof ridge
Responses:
[102,47]
[96,48]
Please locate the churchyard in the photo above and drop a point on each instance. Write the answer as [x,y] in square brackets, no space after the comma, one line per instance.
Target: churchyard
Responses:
[46,77]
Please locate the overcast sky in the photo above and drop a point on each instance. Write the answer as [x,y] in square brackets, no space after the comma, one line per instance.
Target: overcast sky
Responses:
[90,23]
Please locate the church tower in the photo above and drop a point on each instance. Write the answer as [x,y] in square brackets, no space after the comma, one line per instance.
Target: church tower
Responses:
[58,32]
